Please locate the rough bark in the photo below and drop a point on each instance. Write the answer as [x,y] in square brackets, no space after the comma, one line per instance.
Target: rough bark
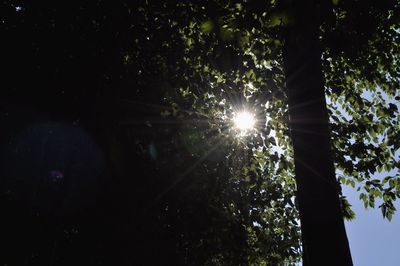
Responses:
[323,232]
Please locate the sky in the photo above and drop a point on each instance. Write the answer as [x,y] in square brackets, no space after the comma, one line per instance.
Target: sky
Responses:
[373,240]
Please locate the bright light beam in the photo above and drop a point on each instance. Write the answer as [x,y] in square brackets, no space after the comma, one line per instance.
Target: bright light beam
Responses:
[244,121]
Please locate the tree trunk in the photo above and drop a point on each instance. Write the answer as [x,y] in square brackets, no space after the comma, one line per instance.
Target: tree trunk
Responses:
[323,232]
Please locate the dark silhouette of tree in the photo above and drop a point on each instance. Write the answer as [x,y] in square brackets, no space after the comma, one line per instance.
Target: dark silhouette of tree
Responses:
[324,237]
[119,142]
[314,167]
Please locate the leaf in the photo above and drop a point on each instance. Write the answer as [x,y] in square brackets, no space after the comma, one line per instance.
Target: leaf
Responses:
[383,209]
[272,141]
[392,183]
[279,19]
[207,26]
[389,215]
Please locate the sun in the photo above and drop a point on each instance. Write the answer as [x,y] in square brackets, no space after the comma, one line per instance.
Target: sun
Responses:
[244,121]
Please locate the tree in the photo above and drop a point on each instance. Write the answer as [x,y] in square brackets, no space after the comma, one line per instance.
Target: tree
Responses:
[306,99]
[308,118]
[221,210]
[201,62]
[317,189]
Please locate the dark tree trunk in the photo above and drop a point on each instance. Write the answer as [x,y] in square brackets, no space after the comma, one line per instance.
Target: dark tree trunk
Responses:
[323,232]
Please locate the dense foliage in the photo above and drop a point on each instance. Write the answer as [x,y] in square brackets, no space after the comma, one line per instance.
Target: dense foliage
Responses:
[208,70]
[362,78]
[164,79]
[232,61]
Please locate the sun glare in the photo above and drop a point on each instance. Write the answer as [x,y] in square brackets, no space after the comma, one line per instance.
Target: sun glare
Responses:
[244,121]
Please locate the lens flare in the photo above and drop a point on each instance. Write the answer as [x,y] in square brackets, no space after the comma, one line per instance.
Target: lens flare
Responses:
[244,121]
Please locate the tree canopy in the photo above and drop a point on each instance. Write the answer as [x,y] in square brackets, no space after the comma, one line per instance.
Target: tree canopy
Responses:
[157,84]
